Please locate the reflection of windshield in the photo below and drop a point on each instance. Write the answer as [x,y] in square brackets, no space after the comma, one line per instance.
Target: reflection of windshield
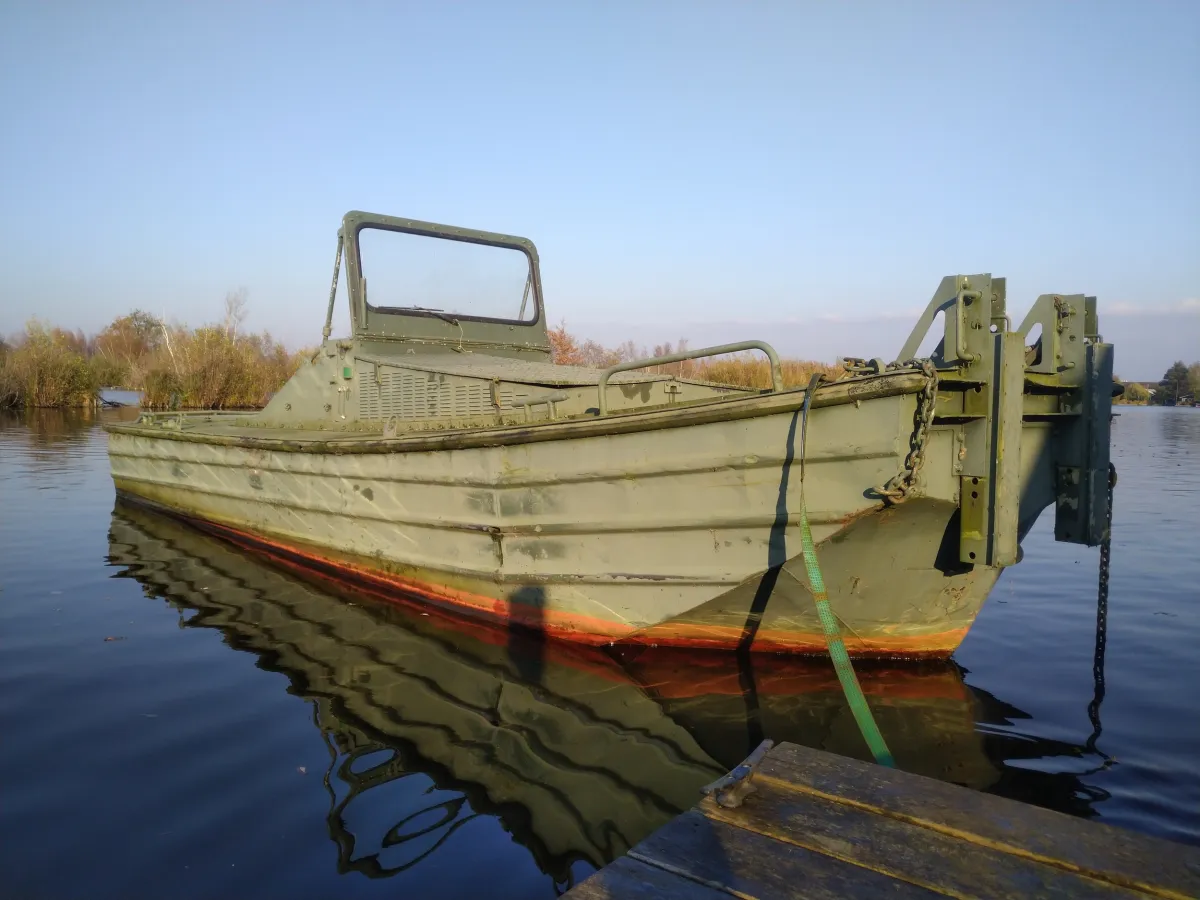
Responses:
[444,278]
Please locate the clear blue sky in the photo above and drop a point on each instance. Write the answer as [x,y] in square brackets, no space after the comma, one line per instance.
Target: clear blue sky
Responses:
[676,162]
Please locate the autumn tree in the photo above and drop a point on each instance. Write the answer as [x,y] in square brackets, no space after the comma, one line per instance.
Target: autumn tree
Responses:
[594,354]
[127,339]
[235,311]
[564,349]
[629,351]
[1173,386]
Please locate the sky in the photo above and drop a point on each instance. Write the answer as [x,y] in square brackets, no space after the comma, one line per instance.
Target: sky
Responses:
[802,172]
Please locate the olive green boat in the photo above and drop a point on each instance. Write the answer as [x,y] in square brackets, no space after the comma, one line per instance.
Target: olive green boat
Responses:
[439,453]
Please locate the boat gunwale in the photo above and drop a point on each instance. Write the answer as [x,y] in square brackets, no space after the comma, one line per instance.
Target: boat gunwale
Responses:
[721,409]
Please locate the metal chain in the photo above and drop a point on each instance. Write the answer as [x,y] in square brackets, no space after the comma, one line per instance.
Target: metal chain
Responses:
[1098,688]
[1102,594]
[899,487]
[1102,624]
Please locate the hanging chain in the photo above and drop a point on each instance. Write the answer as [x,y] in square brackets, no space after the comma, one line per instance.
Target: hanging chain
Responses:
[1105,544]
[1101,618]
[1102,594]
[899,486]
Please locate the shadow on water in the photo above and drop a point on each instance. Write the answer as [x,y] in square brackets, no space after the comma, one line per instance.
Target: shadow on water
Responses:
[578,753]
[527,631]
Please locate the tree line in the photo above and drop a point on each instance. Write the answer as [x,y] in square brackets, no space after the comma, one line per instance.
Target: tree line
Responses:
[749,369]
[1179,386]
[214,366]
[220,366]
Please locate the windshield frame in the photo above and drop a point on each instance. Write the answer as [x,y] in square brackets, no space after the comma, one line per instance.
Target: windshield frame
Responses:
[450,233]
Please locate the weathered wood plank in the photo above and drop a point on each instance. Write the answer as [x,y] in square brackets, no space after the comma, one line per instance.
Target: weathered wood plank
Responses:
[823,826]
[747,864]
[631,879]
[899,849]
[1102,852]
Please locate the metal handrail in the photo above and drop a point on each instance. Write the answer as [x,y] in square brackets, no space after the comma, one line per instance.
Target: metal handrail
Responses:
[776,369]
[960,332]
[549,399]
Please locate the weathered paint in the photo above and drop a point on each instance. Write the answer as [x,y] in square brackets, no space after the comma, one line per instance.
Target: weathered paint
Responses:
[558,537]
[512,611]
[403,457]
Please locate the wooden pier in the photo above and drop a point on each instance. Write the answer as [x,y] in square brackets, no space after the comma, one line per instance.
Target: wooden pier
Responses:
[796,822]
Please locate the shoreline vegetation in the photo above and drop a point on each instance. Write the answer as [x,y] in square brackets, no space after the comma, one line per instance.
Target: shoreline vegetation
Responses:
[214,366]
[748,369]
[220,366]
[1179,386]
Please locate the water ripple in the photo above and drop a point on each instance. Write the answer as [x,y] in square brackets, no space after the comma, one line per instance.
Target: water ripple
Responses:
[182,720]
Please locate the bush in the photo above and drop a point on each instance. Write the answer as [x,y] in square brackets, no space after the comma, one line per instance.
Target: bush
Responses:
[108,373]
[47,367]
[750,369]
[162,389]
[212,367]
[1134,393]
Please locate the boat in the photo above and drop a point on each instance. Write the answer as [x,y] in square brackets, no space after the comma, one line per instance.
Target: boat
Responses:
[439,451]
[579,752]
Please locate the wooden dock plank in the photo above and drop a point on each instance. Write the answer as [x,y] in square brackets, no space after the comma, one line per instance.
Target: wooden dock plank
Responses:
[946,865]
[810,824]
[631,879]
[1104,852]
[748,864]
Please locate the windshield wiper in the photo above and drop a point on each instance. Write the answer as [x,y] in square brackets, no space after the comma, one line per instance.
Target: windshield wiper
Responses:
[437,312]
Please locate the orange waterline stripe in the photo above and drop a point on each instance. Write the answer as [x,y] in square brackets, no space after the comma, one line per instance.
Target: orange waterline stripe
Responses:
[574,627]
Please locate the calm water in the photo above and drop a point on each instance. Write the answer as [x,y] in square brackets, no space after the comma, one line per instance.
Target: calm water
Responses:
[182,720]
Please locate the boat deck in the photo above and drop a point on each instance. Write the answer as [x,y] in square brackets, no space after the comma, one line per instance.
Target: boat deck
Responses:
[249,429]
[805,823]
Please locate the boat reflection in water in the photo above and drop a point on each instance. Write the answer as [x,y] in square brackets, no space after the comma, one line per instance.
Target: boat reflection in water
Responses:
[579,753]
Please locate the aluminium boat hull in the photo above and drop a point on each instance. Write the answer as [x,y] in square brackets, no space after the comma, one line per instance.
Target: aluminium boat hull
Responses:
[684,534]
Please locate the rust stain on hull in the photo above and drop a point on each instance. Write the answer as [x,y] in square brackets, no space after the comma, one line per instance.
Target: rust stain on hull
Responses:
[563,625]
[916,646]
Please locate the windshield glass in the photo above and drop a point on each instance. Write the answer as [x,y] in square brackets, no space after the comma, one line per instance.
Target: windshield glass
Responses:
[417,274]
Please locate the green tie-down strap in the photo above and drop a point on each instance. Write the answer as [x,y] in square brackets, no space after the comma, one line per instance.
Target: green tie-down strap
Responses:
[833,638]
